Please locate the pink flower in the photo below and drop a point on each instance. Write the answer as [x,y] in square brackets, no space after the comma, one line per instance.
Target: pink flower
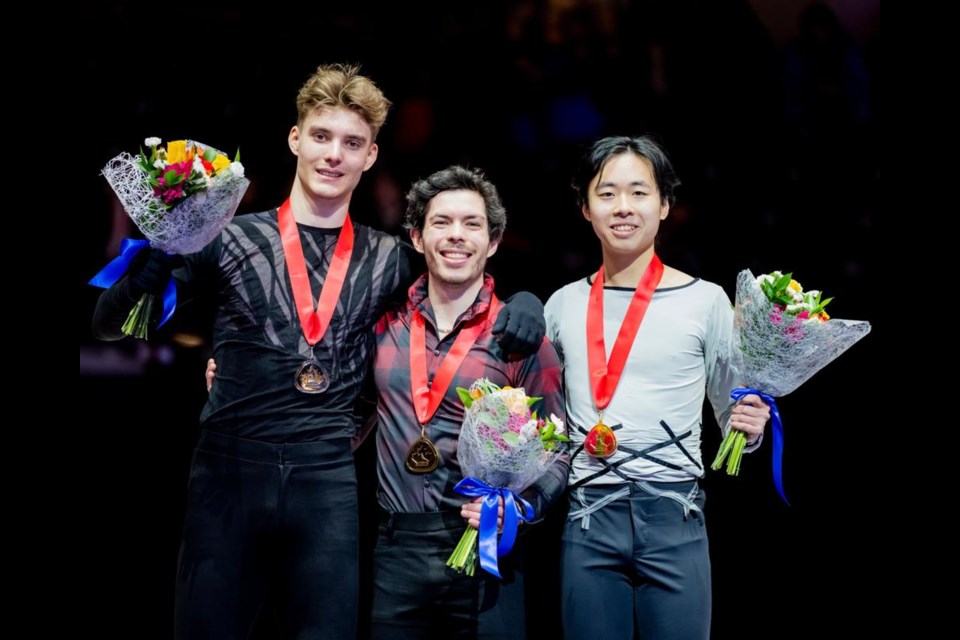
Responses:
[171,193]
[515,422]
[795,331]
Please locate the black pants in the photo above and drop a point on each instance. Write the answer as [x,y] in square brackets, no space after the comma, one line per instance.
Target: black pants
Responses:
[415,595]
[640,569]
[269,518]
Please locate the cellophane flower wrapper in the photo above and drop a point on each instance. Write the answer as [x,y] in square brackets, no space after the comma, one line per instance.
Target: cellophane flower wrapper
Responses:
[776,352]
[180,197]
[505,445]
[190,223]
[492,448]
[778,347]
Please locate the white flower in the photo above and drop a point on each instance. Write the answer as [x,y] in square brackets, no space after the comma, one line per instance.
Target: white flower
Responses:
[159,164]
[236,169]
[557,421]
[151,142]
[198,172]
[528,431]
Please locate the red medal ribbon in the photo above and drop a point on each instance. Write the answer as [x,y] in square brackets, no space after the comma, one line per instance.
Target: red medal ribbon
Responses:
[314,322]
[604,377]
[426,398]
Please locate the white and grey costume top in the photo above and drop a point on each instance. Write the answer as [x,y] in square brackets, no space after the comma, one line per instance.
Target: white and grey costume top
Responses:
[680,355]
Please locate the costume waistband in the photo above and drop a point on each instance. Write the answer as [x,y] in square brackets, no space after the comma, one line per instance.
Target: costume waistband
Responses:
[432,521]
[591,499]
[275,452]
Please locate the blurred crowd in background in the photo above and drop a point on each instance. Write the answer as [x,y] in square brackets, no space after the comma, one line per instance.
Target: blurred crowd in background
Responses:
[770,112]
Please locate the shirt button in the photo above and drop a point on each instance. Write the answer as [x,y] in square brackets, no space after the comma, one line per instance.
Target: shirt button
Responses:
[436,352]
[429,383]
[426,483]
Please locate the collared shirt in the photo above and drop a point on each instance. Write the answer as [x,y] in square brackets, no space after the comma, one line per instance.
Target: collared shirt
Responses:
[397,424]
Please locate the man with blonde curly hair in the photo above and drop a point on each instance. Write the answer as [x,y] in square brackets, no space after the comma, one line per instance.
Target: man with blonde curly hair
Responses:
[272,504]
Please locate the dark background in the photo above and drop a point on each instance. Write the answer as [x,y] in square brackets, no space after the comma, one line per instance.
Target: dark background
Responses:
[770,111]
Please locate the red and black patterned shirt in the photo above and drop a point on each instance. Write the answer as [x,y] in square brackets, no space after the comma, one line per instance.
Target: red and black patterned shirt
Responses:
[397,424]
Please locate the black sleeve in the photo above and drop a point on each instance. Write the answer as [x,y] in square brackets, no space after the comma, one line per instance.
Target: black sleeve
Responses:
[113,306]
[409,268]
[546,491]
[115,303]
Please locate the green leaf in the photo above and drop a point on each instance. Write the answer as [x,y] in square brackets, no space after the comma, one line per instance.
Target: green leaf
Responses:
[236,158]
[817,309]
[561,437]
[783,282]
[172,178]
[768,291]
[209,154]
[465,397]
[534,400]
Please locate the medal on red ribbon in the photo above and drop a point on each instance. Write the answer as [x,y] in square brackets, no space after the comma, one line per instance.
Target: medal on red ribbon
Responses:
[423,456]
[311,377]
[601,442]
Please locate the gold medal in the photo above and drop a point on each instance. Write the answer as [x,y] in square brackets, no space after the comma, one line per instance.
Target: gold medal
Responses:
[600,441]
[311,378]
[422,456]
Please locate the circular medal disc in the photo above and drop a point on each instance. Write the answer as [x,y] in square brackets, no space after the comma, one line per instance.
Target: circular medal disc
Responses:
[311,378]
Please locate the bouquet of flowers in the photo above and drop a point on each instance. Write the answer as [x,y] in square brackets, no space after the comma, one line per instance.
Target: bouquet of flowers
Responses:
[503,448]
[782,336]
[180,197]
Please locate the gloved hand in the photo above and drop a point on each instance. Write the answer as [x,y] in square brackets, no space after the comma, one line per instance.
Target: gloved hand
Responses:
[520,325]
[150,274]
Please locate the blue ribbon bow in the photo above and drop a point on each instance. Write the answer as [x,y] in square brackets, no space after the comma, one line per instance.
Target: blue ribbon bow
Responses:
[117,267]
[736,394]
[515,509]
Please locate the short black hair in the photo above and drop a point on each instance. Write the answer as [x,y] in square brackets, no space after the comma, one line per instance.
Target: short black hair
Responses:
[644,146]
[455,178]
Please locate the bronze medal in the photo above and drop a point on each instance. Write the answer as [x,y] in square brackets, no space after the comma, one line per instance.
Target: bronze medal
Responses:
[311,378]
[422,456]
[314,321]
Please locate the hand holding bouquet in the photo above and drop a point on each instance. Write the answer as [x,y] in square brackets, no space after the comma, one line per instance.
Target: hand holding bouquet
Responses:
[504,448]
[782,337]
[180,197]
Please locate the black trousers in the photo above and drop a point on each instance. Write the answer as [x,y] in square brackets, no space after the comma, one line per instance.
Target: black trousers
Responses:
[277,519]
[641,568]
[416,596]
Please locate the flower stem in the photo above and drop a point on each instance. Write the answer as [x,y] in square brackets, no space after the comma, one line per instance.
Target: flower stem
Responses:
[138,320]
[731,450]
[463,558]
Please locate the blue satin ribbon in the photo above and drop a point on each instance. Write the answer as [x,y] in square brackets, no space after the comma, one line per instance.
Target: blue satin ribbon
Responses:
[736,394]
[117,267]
[515,509]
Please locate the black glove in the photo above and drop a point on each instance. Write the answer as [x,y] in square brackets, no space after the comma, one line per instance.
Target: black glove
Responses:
[520,325]
[151,273]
